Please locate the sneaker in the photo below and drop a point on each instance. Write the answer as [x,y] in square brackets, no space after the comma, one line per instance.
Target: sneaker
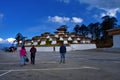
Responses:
[21,65]
[60,62]
[64,62]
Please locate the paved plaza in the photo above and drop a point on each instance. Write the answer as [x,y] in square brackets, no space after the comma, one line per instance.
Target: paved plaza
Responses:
[94,64]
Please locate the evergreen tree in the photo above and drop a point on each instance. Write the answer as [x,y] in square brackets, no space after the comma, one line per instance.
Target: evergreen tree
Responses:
[108,23]
[19,37]
[76,28]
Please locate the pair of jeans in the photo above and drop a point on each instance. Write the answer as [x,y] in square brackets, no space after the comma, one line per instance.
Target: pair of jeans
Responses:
[22,60]
[32,58]
[62,55]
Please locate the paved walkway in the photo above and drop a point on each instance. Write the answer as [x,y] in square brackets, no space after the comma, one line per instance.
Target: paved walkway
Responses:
[80,65]
[113,50]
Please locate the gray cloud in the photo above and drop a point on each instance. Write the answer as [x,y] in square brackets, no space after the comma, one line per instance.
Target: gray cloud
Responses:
[59,19]
[64,20]
[110,7]
[77,20]
[6,41]
[107,4]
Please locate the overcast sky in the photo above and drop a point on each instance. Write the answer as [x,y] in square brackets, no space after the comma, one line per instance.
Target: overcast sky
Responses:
[33,17]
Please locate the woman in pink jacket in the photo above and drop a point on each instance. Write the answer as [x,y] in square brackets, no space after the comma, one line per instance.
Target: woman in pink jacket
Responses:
[22,55]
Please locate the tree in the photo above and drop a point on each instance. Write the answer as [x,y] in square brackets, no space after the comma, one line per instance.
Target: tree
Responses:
[19,37]
[83,29]
[76,28]
[94,29]
[108,23]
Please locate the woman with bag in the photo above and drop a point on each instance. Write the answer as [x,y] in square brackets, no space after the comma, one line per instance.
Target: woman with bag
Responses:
[22,56]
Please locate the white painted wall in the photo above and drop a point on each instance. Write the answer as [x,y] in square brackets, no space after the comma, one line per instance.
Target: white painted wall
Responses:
[68,48]
[116,41]
[83,46]
[72,47]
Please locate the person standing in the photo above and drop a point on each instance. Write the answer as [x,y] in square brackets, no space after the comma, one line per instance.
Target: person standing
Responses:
[33,52]
[22,53]
[62,53]
[53,48]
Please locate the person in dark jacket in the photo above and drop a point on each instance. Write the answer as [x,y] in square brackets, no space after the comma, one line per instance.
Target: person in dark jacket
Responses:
[33,52]
[62,53]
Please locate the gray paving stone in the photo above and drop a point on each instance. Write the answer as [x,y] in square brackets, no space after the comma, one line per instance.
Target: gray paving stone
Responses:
[80,65]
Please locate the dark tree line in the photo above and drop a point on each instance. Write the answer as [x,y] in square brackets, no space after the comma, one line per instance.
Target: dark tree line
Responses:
[97,30]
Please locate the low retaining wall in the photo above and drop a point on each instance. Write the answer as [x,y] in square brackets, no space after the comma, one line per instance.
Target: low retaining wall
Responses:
[83,46]
[72,47]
